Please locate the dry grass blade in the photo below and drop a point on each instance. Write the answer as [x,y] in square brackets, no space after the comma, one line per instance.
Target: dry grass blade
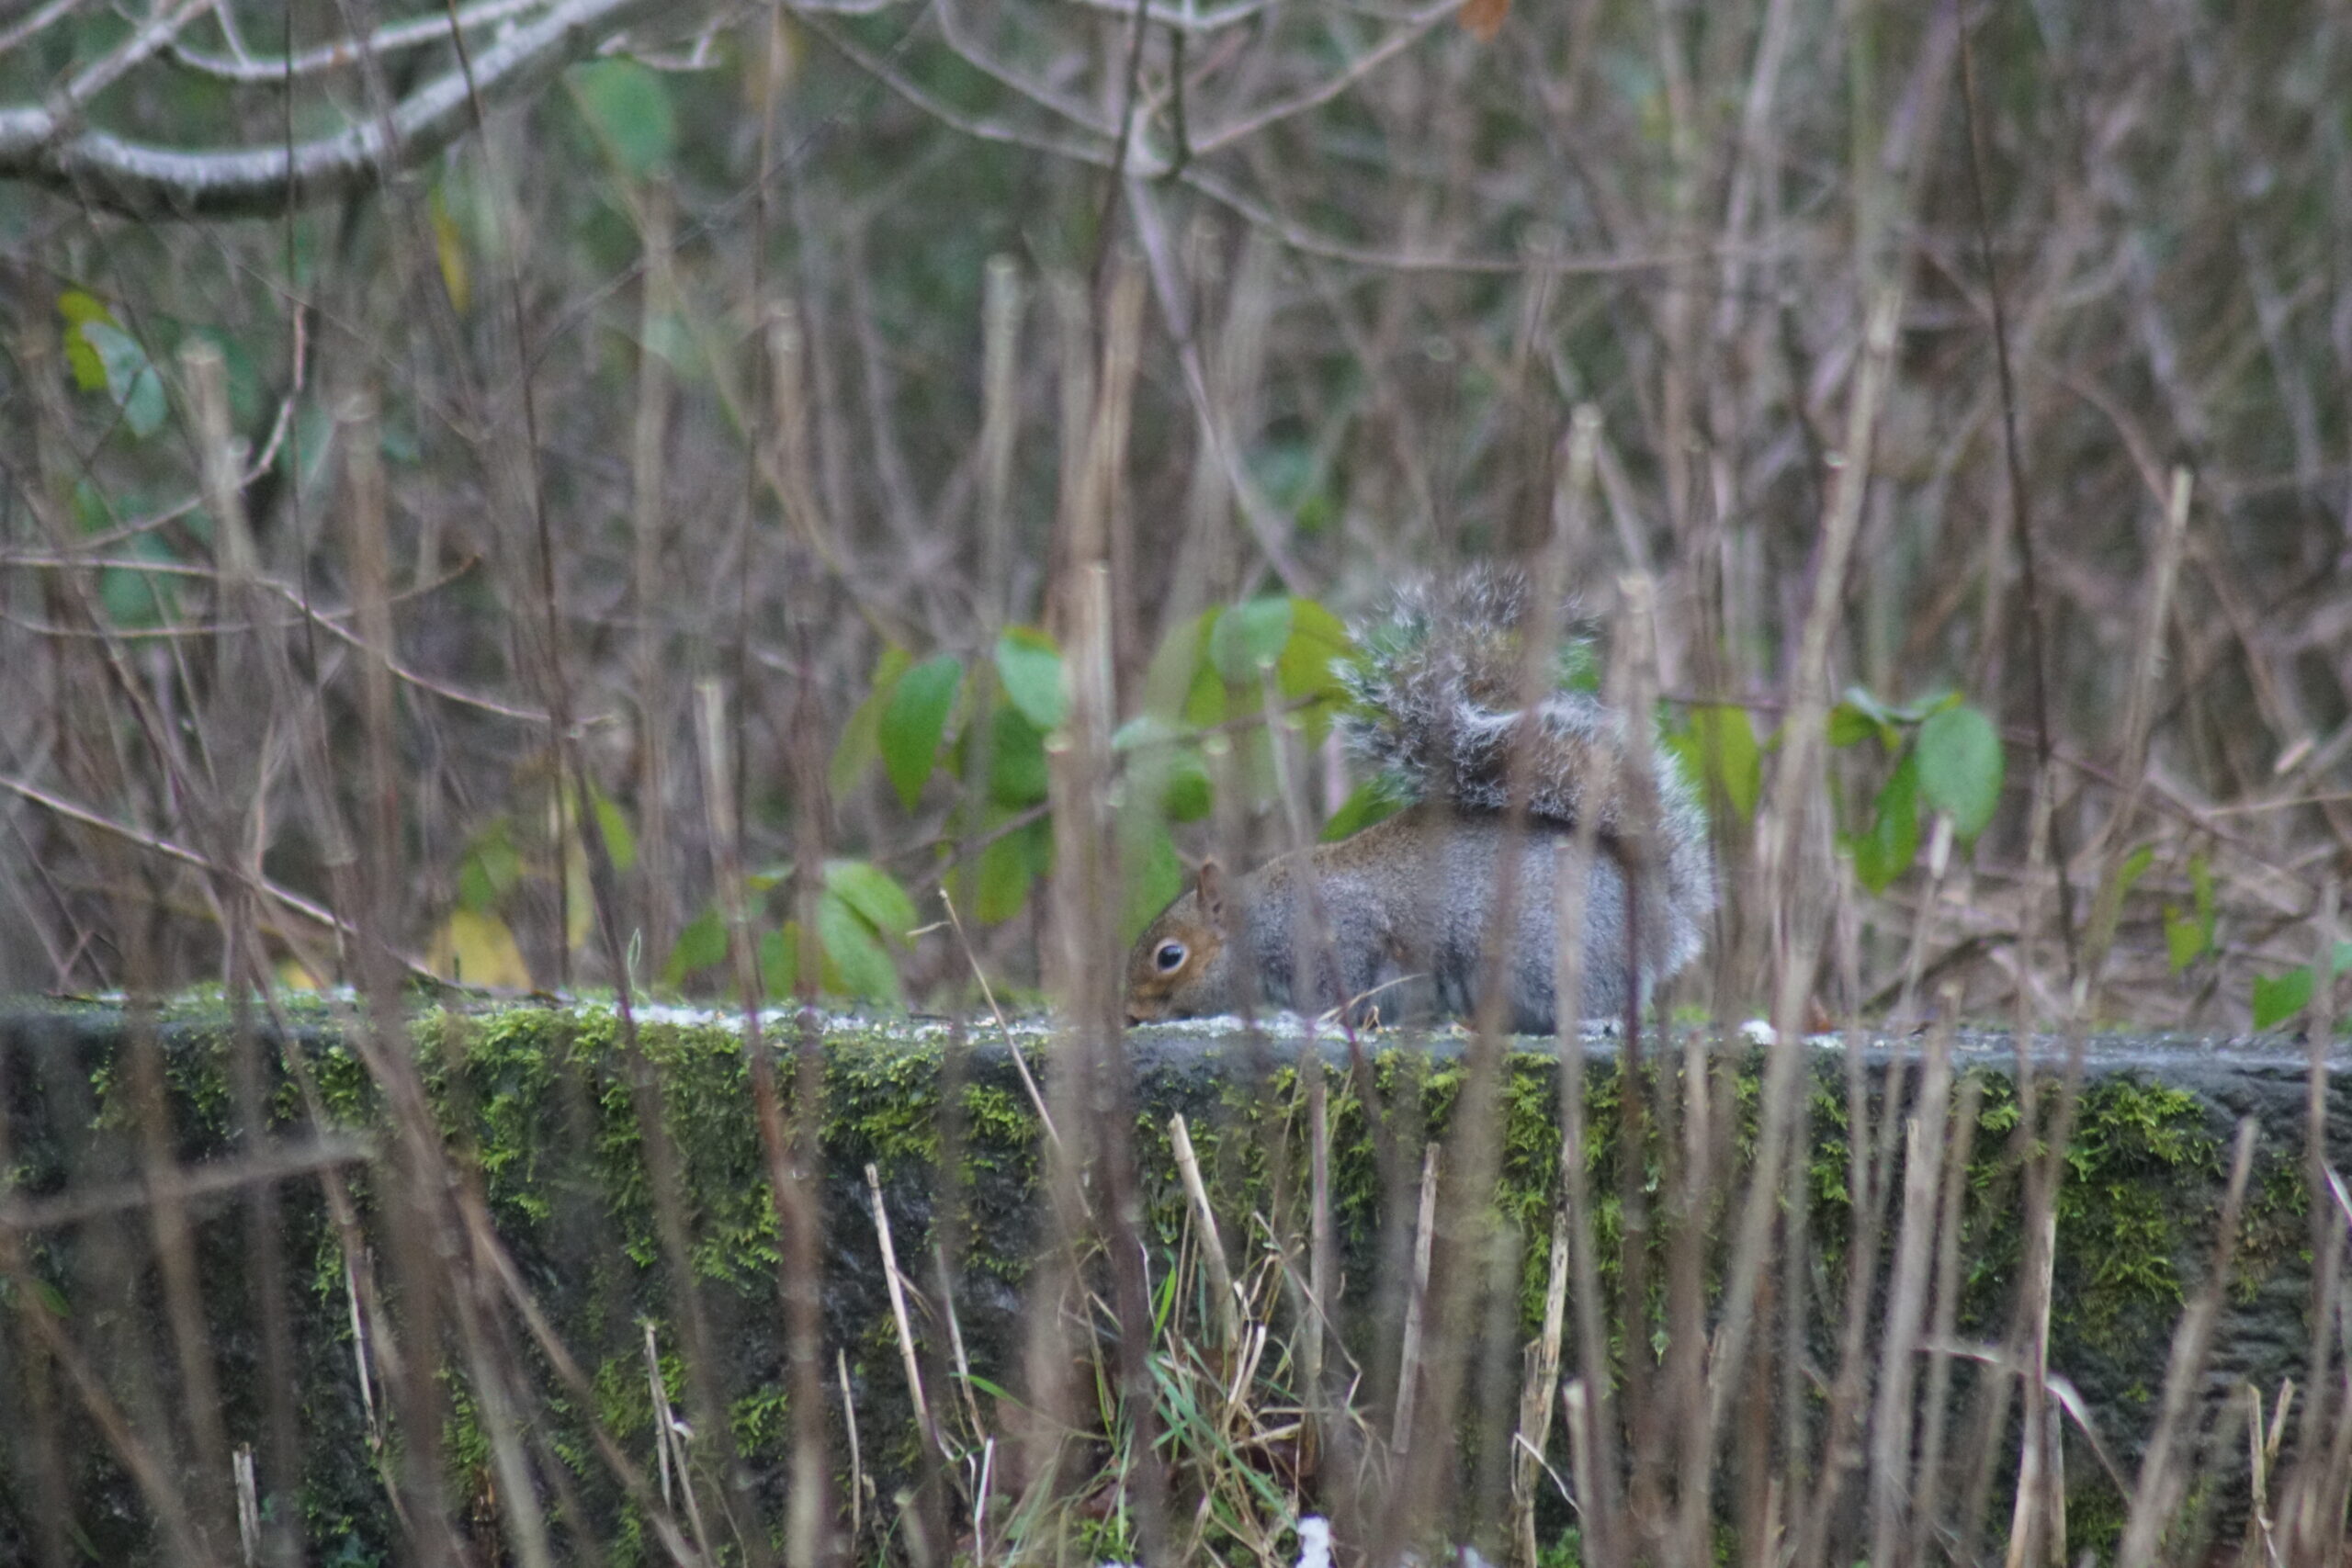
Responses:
[2018,514]
[2311,1519]
[1322,1268]
[1542,1377]
[1927,1503]
[1595,1444]
[1012,1043]
[1925,1136]
[2037,1532]
[896,1282]
[185,1184]
[1781,844]
[784,1153]
[649,516]
[2139,718]
[1090,1085]
[1212,1245]
[1408,1355]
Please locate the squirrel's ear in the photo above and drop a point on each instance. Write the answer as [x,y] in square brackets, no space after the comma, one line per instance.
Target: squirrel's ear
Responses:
[1209,887]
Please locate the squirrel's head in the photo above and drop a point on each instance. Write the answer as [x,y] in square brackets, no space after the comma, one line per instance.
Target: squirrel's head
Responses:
[1180,966]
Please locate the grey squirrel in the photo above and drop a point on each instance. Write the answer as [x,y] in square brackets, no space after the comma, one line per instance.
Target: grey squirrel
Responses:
[1400,912]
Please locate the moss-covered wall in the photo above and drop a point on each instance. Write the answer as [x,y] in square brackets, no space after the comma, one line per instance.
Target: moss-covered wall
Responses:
[538,1103]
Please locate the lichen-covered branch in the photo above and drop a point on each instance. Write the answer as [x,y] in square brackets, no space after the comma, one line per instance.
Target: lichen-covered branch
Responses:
[49,146]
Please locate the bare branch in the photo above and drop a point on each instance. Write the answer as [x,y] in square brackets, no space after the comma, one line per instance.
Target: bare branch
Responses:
[38,22]
[882,71]
[392,37]
[45,146]
[1146,163]
[1331,86]
[139,47]
[1184,19]
[274,1161]
[951,32]
[1314,243]
[291,901]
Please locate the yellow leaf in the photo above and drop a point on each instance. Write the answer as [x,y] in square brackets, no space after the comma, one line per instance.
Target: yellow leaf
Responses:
[293,977]
[449,246]
[1482,19]
[475,948]
[579,893]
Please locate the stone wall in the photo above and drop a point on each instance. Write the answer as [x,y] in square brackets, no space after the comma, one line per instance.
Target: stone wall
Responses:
[537,1101]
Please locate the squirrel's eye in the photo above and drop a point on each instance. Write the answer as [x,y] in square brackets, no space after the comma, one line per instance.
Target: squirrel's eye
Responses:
[1171,956]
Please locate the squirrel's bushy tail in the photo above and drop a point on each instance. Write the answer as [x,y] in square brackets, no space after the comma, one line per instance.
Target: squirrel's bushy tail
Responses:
[1437,685]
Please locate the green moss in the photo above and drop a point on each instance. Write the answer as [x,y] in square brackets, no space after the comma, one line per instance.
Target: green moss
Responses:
[544,1109]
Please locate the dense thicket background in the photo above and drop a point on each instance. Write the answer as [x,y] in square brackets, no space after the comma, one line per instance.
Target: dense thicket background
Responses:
[452,458]
[679,358]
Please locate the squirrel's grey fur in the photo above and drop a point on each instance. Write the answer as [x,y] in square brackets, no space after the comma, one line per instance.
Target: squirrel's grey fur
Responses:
[1404,909]
[1435,690]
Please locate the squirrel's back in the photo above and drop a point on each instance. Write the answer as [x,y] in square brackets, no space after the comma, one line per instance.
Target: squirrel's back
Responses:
[1395,919]
[1402,911]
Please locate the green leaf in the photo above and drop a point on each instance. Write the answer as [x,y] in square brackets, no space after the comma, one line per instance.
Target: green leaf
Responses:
[489,869]
[914,721]
[1031,668]
[1205,701]
[1017,776]
[670,337]
[1887,852]
[1291,474]
[1848,726]
[620,841]
[1005,875]
[851,943]
[1164,768]
[2187,936]
[54,1300]
[1723,747]
[874,894]
[860,742]
[1144,732]
[2278,998]
[135,600]
[77,307]
[1860,716]
[304,458]
[700,945]
[1373,799]
[1187,795]
[780,962]
[2185,940]
[131,379]
[1318,641]
[628,107]
[1250,637]
[1961,766]
[1154,873]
